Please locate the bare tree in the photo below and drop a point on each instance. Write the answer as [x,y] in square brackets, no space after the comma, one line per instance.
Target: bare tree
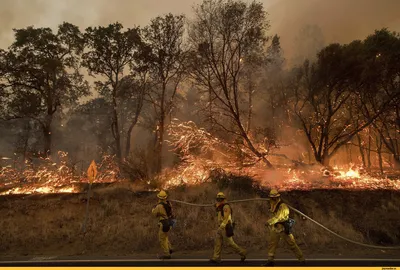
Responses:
[224,35]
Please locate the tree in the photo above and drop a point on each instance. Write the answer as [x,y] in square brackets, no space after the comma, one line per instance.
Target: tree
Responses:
[111,54]
[223,36]
[332,98]
[382,74]
[40,75]
[132,96]
[164,37]
[90,121]
[272,93]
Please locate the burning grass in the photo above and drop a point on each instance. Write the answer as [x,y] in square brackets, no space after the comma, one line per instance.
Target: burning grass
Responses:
[202,159]
[53,177]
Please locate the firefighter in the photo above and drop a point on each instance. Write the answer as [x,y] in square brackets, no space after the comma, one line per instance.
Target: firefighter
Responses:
[225,230]
[280,227]
[163,211]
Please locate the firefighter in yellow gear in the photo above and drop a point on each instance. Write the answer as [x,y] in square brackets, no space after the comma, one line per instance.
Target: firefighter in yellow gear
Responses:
[163,211]
[280,215]
[225,230]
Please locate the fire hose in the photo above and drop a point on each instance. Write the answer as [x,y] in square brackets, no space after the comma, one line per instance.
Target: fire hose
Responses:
[300,213]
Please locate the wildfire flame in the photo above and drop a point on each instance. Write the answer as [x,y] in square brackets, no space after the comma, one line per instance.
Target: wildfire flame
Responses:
[49,177]
[201,154]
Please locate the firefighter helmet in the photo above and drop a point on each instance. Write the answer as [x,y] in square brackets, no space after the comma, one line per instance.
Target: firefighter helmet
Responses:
[162,195]
[221,195]
[274,194]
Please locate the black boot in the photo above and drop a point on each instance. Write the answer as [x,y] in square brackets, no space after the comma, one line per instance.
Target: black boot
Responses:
[165,257]
[269,263]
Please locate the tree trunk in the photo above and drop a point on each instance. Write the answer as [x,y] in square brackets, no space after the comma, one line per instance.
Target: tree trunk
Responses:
[318,157]
[350,155]
[159,146]
[46,127]
[326,161]
[133,124]
[47,140]
[322,158]
[361,150]
[117,135]
[250,144]
[379,150]
[369,149]
[250,107]
[26,141]
[347,153]
[115,125]
[159,142]
[129,136]
[396,161]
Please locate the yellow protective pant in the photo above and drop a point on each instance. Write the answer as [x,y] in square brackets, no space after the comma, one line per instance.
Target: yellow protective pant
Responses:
[273,243]
[219,240]
[164,242]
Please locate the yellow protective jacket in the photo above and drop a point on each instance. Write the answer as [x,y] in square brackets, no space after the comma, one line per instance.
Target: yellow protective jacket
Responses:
[159,212]
[224,220]
[279,215]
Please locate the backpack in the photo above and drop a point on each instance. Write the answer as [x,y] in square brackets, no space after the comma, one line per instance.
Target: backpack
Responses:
[288,224]
[170,221]
[221,209]
[231,225]
[168,208]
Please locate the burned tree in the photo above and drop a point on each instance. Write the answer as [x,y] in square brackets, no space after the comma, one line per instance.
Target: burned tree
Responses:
[40,74]
[165,60]
[224,35]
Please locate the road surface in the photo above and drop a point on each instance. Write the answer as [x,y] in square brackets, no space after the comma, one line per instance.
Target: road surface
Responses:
[187,260]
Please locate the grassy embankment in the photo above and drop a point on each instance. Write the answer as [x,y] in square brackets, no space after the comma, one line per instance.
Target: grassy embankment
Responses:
[121,224]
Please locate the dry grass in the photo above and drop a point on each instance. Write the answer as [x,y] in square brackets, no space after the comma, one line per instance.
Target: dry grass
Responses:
[121,223]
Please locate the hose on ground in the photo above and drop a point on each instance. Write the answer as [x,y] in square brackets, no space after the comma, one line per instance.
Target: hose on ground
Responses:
[300,213]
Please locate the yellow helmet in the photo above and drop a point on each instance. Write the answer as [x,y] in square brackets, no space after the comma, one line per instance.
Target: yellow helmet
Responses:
[162,195]
[221,195]
[274,194]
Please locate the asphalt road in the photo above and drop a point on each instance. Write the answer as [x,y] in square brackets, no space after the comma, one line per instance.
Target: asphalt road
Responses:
[129,261]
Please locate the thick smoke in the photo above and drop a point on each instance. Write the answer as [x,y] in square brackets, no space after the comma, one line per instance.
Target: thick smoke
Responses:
[340,21]
[331,21]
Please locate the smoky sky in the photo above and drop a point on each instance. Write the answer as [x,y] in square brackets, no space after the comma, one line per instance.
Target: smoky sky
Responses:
[339,20]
